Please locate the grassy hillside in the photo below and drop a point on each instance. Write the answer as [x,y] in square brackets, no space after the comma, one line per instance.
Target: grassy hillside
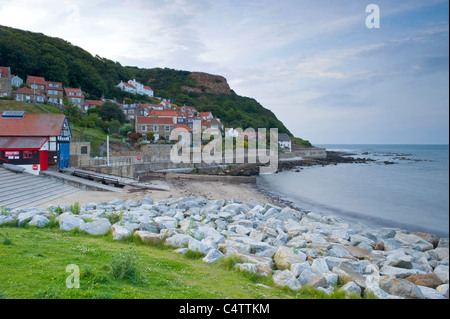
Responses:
[33,265]
[29,53]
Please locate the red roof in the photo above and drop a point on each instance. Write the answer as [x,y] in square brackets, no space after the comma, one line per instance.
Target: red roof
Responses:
[4,70]
[163,113]
[33,125]
[24,90]
[36,80]
[59,88]
[205,114]
[68,90]
[127,84]
[93,102]
[183,126]
[154,120]
[148,88]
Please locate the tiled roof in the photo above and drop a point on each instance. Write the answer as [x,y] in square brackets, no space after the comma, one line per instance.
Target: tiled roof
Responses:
[68,90]
[23,90]
[22,142]
[92,102]
[154,120]
[59,88]
[183,126]
[163,113]
[32,125]
[3,71]
[36,80]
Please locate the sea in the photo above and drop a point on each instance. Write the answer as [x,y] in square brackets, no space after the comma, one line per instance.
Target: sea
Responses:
[406,187]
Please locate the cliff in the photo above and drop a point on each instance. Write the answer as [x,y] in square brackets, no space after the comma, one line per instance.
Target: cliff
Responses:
[208,83]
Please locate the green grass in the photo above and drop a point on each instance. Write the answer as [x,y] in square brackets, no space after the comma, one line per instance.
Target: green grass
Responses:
[33,266]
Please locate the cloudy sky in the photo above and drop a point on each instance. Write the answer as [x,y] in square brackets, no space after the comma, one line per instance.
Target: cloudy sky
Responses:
[314,63]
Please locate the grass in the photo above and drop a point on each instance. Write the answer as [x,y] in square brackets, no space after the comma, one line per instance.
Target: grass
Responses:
[33,265]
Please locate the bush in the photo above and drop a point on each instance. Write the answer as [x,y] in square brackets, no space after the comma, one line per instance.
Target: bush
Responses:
[125,264]
[75,208]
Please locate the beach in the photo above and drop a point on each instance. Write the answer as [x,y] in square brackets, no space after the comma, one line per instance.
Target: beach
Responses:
[178,189]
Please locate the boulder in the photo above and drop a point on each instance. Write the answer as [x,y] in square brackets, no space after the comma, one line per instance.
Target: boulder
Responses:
[399,272]
[197,245]
[27,216]
[306,276]
[285,278]
[413,241]
[298,268]
[149,237]
[346,275]
[249,267]
[39,221]
[442,272]
[120,232]
[285,257]
[427,280]
[258,260]
[213,256]
[351,288]
[70,223]
[443,289]
[97,227]
[5,219]
[178,240]
[439,253]
[400,287]
[320,266]
[430,293]
[431,238]
[318,281]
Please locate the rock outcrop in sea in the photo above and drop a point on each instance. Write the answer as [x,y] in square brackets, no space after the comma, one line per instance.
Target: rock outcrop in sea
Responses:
[297,248]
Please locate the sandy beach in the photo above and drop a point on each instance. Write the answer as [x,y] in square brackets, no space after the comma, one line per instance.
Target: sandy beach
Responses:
[178,189]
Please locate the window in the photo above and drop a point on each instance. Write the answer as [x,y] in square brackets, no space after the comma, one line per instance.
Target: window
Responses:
[144,128]
[167,128]
[27,154]
[42,87]
[155,128]
[70,93]
[84,149]
[34,86]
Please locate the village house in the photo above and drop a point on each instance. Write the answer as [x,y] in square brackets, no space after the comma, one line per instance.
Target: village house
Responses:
[159,126]
[90,104]
[55,92]
[75,96]
[132,111]
[25,94]
[284,141]
[135,87]
[35,142]
[214,124]
[16,81]
[141,89]
[38,86]
[164,114]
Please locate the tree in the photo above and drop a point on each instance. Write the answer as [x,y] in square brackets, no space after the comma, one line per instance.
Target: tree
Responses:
[109,111]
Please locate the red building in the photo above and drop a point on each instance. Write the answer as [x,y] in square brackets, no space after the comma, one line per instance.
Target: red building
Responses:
[35,142]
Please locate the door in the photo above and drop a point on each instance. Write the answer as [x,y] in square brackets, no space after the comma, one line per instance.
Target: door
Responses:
[43,160]
[64,155]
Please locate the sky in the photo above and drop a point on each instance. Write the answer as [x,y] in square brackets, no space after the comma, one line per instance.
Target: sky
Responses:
[317,64]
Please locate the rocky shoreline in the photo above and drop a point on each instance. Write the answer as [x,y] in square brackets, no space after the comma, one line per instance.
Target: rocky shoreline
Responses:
[297,248]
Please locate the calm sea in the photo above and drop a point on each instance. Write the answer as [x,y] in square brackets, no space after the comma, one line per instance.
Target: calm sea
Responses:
[412,194]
